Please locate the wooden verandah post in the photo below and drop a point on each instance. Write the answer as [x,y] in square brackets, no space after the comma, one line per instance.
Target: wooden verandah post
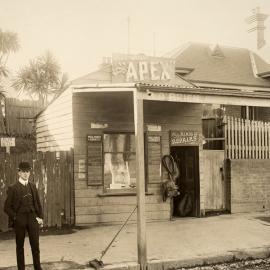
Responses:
[140,182]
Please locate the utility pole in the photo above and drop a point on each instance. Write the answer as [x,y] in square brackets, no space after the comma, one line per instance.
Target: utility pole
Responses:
[154,44]
[128,49]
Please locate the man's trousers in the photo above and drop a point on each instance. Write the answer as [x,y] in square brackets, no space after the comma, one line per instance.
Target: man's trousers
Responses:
[27,222]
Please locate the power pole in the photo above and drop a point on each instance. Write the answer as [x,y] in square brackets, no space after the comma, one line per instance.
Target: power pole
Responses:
[128,49]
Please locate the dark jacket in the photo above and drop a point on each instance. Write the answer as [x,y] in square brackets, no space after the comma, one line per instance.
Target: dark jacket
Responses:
[14,198]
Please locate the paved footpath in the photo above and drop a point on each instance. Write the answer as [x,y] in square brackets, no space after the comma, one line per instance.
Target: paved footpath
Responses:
[170,244]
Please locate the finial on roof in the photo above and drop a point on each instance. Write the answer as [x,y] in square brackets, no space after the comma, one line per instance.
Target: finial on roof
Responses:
[216,51]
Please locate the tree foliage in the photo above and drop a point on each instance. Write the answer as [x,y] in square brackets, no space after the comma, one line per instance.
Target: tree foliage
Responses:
[8,43]
[41,78]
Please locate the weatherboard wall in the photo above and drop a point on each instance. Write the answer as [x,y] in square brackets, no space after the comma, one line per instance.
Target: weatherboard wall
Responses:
[54,126]
[115,112]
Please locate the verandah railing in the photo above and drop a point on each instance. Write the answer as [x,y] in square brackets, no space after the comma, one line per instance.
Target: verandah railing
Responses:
[246,139]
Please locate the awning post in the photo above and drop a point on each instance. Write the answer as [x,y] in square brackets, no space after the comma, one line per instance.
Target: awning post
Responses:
[140,184]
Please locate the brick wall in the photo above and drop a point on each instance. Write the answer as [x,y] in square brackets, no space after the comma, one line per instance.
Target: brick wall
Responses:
[264,114]
[250,185]
[233,111]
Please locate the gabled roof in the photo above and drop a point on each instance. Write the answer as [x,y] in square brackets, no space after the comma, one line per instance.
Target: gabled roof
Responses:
[221,65]
[102,75]
[263,68]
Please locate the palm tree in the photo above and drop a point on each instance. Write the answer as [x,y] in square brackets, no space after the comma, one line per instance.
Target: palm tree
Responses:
[40,78]
[8,43]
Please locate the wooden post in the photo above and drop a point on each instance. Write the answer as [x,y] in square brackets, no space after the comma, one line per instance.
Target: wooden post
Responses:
[8,149]
[140,183]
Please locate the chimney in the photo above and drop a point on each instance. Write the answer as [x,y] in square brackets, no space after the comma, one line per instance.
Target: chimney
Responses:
[256,22]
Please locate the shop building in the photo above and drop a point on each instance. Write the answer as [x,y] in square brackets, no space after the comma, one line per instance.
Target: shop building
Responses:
[184,103]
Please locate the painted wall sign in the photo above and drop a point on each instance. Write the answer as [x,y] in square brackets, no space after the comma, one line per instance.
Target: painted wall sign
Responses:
[184,138]
[7,142]
[153,127]
[154,139]
[99,125]
[94,138]
[81,165]
[139,68]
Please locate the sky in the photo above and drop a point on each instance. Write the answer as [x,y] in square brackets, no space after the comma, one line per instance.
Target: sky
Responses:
[80,33]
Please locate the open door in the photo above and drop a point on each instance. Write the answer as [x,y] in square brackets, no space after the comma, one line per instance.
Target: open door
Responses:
[188,202]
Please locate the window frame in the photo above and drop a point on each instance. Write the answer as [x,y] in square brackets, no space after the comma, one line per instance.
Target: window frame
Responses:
[108,190]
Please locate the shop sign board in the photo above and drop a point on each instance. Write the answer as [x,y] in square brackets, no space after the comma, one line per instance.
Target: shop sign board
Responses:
[94,138]
[154,139]
[7,141]
[178,138]
[154,128]
[141,68]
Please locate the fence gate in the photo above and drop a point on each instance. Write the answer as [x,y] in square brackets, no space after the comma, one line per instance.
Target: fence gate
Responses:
[214,182]
[53,175]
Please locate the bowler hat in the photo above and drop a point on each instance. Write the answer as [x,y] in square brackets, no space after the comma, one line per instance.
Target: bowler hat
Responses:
[24,166]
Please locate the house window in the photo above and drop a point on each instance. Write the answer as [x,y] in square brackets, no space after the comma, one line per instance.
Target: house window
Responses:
[249,112]
[119,161]
[213,127]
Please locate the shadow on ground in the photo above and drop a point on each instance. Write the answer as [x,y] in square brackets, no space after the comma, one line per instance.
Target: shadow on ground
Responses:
[265,219]
[43,232]
[52,266]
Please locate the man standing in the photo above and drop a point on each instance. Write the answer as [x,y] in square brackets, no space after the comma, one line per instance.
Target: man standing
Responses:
[25,214]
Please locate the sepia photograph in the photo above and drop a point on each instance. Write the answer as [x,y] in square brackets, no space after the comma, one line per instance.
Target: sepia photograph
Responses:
[134,134]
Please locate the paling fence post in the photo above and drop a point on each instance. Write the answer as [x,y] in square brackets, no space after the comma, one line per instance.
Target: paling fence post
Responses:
[252,139]
[268,133]
[226,136]
[260,140]
[233,138]
[263,142]
[229,137]
[266,140]
[246,141]
[249,139]
[236,138]
[243,137]
[239,138]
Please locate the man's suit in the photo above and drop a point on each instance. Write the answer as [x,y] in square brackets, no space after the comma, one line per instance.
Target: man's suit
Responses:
[22,216]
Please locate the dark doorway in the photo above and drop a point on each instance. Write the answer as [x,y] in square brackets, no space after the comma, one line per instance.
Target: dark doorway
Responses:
[187,204]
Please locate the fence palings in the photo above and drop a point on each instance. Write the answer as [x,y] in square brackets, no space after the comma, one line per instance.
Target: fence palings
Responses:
[53,178]
[247,139]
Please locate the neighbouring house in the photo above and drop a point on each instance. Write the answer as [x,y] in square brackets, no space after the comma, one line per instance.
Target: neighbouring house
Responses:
[207,106]
[17,124]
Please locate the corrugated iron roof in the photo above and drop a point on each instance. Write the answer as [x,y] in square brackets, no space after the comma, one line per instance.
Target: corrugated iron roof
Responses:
[235,67]
[199,90]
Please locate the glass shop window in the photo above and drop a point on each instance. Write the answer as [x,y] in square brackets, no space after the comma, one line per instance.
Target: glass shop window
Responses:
[119,161]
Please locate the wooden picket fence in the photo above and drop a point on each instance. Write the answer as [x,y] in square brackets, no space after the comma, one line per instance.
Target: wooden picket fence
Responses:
[246,139]
[53,175]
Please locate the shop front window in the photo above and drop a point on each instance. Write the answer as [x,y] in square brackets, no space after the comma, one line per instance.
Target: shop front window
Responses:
[119,161]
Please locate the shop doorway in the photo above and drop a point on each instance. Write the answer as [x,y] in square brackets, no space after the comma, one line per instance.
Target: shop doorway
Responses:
[187,204]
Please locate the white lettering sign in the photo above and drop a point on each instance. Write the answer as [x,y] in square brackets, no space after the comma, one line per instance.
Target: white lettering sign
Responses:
[184,138]
[7,142]
[128,68]
[99,125]
[153,127]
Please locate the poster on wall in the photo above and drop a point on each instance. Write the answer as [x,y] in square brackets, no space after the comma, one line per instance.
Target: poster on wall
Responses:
[183,137]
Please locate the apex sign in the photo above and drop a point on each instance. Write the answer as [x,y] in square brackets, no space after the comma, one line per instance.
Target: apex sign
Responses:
[139,68]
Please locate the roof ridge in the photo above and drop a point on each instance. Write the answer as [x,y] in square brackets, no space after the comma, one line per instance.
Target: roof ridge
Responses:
[177,51]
